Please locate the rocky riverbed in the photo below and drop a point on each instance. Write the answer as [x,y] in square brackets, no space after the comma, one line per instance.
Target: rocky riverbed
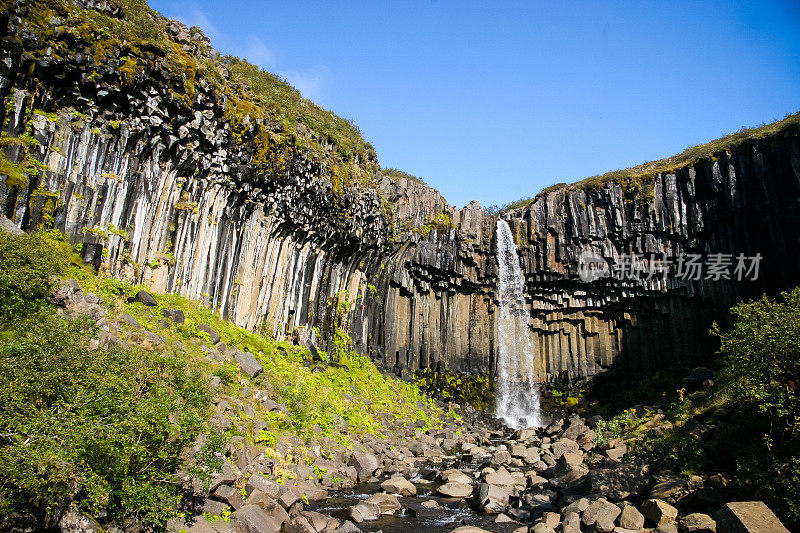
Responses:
[481,478]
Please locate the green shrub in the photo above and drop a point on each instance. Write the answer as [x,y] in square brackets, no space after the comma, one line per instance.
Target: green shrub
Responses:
[760,375]
[27,266]
[103,427]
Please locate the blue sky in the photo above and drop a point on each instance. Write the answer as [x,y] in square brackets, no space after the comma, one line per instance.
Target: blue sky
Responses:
[494,101]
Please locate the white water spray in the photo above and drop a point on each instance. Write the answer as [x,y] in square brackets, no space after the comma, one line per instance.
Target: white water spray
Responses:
[517,392]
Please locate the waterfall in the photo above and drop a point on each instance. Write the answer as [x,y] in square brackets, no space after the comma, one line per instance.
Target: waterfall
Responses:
[517,397]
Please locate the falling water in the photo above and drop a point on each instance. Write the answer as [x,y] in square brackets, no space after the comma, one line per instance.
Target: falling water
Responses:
[517,392]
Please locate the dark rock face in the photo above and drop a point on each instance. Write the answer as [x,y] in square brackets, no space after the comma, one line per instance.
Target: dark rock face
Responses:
[158,192]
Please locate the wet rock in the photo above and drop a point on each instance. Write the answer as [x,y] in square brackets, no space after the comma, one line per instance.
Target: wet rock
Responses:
[399,485]
[426,509]
[452,474]
[748,517]
[364,511]
[697,523]
[388,503]
[659,512]
[501,457]
[455,489]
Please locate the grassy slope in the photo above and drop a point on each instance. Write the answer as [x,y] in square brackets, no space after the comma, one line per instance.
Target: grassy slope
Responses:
[317,399]
[637,176]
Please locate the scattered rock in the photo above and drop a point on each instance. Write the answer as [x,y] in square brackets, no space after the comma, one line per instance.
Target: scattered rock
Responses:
[364,511]
[249,364]
[600,515]
[399,485]
[74,521]
[387,503]
[254,519]
[659,512]
[365,464]
[144,297]
[176,315]
[631,518]
[698,523]
[213,336]
[455,489]
[748,517]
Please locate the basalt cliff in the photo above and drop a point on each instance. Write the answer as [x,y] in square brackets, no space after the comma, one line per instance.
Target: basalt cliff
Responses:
[158,160]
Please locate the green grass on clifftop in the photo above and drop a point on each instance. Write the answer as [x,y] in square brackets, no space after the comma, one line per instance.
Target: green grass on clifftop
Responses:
[638,176]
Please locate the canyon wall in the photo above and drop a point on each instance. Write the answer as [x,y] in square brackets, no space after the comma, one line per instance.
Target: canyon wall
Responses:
[159,192]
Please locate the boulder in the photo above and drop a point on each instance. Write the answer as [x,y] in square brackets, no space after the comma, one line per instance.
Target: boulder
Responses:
[748,517]
[264,484]
[364,511]
[387,503]
[144,297]
[249,364]
[364,463]
[229,495]
[659,512]
[453,474]
[299,524]
[620,482]
[697,523]
[254,519]
[631,518]
[455,489]
[213,336]
[9,227]
[399,485]
[492,499]
[176,315]
[600,515]
[75,521]
[568,464]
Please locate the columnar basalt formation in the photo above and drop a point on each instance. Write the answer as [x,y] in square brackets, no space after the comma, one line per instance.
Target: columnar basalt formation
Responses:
[161,192]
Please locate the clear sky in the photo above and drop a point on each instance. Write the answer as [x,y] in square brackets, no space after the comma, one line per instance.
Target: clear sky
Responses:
[494,101]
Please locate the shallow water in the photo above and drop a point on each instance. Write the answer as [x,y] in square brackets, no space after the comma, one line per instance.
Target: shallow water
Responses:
[456,512]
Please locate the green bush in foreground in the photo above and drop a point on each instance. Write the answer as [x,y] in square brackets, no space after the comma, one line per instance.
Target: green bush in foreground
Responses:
[102,427]
[760,377]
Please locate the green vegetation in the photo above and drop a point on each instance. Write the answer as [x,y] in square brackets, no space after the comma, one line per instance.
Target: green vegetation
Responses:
[397,175]
[442,223]
[760,376]
[264,110]
[638,181]
[97,425]
[105,426]
[456,387]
